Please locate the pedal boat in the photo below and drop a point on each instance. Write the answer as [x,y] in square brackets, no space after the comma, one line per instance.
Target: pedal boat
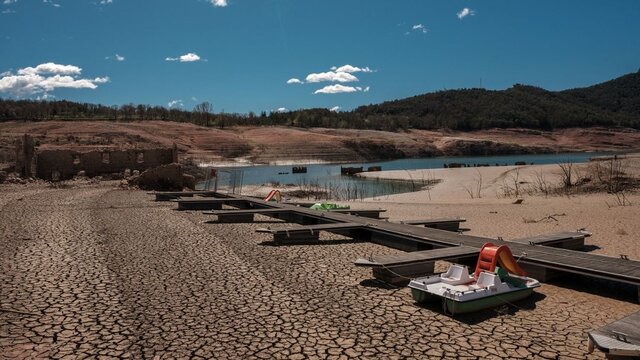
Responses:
[488,287]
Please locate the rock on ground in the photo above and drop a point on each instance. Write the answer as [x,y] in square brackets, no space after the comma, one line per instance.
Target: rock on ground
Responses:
[165,177]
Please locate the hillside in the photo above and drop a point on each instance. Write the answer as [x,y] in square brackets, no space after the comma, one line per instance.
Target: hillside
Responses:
[620,95]
[270,144]
[615,103]
[612,103]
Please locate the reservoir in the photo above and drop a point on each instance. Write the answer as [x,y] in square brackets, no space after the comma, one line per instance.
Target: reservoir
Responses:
[328,178]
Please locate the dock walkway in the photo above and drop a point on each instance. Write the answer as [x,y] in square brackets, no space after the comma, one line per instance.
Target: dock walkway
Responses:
[535,259]
[309,233]
[567,239]
[541,262]
[449,224]
[171,195]
[620,338]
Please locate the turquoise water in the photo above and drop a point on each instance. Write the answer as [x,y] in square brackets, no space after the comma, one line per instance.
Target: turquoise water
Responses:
[327,176]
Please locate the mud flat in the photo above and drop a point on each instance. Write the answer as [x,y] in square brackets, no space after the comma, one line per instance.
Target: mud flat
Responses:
[90,271]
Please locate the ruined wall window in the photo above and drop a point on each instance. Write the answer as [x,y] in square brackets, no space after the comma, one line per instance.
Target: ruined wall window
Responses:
[76,159]
[140,157]
[105,158]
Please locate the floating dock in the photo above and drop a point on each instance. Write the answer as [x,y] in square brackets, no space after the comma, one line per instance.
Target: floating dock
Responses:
[543,257]
[619,340]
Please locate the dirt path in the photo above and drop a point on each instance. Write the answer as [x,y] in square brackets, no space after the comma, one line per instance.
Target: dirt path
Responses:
[93,272]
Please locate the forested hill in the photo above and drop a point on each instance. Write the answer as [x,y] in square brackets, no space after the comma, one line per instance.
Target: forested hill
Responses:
[617,95]
[612,103]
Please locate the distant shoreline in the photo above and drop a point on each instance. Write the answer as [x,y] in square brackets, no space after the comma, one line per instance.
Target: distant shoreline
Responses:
[292,145]
[286,162]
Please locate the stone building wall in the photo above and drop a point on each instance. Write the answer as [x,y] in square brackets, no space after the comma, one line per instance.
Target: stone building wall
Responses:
[25,150]
[64,164]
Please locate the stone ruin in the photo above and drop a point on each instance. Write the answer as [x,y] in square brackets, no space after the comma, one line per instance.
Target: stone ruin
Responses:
[65,164]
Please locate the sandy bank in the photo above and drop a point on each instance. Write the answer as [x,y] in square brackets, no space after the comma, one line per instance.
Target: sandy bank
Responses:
[615,228]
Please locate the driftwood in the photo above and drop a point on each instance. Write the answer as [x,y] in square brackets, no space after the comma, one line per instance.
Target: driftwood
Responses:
[546,218]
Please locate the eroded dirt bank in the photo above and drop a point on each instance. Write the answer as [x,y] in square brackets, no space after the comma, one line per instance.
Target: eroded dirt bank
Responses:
[270,144]
[98,271]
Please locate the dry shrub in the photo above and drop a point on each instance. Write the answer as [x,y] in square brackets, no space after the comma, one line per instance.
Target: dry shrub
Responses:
[611,176]
[566,174]
[475,190]
[512,185]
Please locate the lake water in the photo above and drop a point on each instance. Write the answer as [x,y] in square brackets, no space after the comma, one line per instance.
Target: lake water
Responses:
[327,177]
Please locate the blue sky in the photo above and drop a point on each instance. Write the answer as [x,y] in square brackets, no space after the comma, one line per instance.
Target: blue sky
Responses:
[239,54]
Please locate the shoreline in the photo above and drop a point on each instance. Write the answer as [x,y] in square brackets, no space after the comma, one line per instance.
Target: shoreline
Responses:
[242,162]
[614,225]
[269,145]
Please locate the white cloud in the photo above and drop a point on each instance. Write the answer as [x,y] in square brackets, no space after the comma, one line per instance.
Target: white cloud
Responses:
[174,103]
[366,89]
[45,96]
[465,12]
[281,109]
[193,98]
[7,2]
[117,57]
[51,2]
[331,76]
[219,3]
[350,69]
[8,11]
[190,57]
[419,27]
[45,78]
[335,89]
[295,81]
[51,68]
[105,2]
[335,109]
[342,74]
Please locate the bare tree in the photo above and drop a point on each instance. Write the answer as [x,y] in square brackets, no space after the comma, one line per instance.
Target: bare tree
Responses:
[203,111]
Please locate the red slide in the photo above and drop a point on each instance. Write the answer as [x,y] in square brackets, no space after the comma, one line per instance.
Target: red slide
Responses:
[490,255]
[273,195]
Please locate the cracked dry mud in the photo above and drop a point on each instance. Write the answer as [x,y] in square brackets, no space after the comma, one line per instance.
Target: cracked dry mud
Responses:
[97,272]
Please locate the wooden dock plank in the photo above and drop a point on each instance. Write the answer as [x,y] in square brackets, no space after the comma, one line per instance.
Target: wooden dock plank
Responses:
[246,215]
[368,213]
[621,337]
[209,200]
[448,224]
[552,237]
[311,228]
[248,211]
[209,203]
[627,271]
[418,256]
[170,195]
[432,221]
[309,233]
